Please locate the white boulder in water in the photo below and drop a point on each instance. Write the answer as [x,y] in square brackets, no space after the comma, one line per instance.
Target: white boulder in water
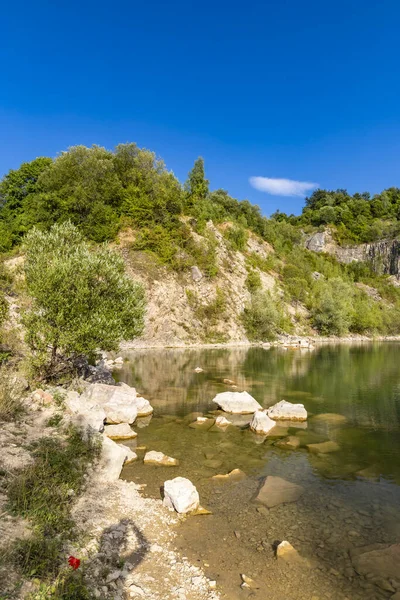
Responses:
[286,411]
[181,495]
[112,459]
[237,402]
[261,423]
[158,458]
[122,431]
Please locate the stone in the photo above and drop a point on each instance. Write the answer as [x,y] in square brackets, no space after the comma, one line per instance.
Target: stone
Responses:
[199,370]
[235,475]
[323,447]
[196,274]
[119,360]
[237,402]
[290,443]
[158,458]
[120,402]
[286,411]
[276,490]
[42,397]
[222,422]
[85,413]
[250,583]
[330,419]
[130,455]
[201,511]
[136,591]
[286,552]
[379,560]
[181,495]
[122,431]
[202,423]
[261,423]
[229,382]
[112,459]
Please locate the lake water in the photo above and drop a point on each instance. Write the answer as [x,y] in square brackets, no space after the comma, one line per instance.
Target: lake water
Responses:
[351,496]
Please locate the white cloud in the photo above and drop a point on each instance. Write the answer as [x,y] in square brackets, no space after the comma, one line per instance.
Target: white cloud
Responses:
[282,187]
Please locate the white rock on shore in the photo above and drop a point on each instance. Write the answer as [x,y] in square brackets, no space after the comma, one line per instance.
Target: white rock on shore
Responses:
[261,423]
[120,403]
[112,459]
[181,495]
[286,411]
[237,402]
[87,414]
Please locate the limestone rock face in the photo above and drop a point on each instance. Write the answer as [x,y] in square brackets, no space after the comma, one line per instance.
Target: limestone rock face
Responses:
[286,411]
[261,423]
[158,458]
[237,402]
[181,495]
[276,490]
[122,431]
[86,414]
[381,560]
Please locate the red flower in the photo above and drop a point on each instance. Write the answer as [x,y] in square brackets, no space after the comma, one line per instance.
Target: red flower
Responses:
[74,562]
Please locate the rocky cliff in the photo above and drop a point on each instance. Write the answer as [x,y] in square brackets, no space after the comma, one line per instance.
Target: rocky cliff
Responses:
[188,307]
[383,255]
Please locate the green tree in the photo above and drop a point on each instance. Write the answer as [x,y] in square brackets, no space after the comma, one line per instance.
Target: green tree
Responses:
[196,185]
[264,317]
[332,308]
[82,299]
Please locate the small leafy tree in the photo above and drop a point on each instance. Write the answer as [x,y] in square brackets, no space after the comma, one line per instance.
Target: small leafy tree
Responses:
[264,317]
[82,299]
[196,185]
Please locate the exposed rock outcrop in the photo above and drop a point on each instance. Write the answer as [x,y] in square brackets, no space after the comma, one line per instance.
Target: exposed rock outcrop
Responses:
[383,255]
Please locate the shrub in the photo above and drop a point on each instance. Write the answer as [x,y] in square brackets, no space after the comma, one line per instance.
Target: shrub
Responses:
[237,236]
[253,281]
[332,306]
[264,317]
[82,300]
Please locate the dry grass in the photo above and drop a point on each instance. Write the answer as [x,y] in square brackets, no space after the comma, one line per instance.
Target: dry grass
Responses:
[10,403]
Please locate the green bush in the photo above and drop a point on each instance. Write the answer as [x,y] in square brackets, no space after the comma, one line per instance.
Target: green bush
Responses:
[332,309]
[237,236]
[253,281]
[264,317]
[82,300]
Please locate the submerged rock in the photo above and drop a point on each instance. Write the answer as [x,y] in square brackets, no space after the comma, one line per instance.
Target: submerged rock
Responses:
[286,411]
[213,463]
[222,422]
[237,402]
[122,431]
[158,458]
[235,475]
[330,419]
[261,423]
[323,447]
[276,490]
[202,423]
[181,495]
[199,370]
[290,443]
[379,560]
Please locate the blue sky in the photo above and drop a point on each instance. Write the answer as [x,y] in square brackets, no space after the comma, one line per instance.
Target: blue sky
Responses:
[292,89]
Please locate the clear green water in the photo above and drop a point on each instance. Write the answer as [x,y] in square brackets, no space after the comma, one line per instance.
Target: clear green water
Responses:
[352,496]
